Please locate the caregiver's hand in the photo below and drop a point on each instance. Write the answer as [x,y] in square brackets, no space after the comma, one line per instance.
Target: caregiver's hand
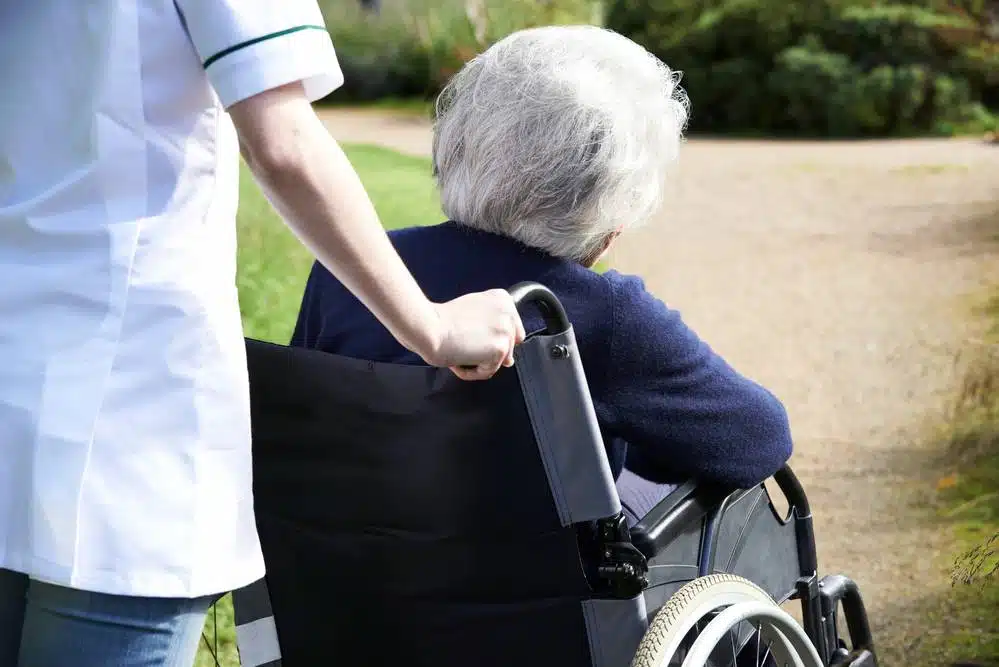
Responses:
[478,334]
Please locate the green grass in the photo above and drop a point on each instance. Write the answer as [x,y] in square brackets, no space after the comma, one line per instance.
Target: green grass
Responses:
[411,106]
[273,265]
[967,624]
[224,642]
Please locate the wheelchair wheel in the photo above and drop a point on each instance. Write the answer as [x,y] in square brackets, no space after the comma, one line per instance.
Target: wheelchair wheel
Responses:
[723,620]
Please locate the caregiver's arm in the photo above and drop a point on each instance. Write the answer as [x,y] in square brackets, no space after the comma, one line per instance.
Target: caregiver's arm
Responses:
[266,62]
[313,186]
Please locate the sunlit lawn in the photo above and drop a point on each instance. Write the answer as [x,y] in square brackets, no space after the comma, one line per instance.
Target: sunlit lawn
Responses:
[273,267]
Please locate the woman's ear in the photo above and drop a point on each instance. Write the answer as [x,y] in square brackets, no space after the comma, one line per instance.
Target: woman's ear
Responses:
[609,240]
[602,249]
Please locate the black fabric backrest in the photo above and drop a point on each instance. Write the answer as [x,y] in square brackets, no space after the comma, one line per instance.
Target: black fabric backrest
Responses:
[447,457]
[406,514]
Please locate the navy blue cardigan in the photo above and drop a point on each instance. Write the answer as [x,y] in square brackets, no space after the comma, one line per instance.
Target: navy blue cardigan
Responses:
[668,406]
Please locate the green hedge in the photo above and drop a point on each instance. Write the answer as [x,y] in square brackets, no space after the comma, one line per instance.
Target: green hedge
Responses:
[822,67]
[813,67]
[410,48]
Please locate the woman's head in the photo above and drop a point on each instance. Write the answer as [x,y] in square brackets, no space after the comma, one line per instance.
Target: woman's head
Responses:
[559,137]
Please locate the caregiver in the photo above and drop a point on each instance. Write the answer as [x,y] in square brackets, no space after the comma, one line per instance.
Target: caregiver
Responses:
[125,485]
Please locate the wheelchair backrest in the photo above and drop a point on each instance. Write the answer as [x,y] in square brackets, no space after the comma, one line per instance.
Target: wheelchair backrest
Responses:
[382,487]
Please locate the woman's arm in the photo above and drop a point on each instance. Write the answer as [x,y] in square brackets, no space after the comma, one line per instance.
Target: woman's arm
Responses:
[685,413]
[311,183]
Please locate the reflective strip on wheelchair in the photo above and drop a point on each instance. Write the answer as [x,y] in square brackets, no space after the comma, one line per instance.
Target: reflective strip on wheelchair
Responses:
[256,631]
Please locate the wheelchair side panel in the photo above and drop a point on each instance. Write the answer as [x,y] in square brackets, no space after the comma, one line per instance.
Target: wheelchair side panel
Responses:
[752,542]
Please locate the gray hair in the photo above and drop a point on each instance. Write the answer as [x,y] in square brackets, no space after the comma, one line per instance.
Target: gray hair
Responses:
[557,137]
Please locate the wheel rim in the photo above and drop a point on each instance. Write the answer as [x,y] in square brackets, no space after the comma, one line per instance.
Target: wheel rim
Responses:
[775,628]
[699,618]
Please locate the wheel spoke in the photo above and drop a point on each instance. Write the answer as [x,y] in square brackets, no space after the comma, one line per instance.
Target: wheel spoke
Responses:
[759,632]
[766,655]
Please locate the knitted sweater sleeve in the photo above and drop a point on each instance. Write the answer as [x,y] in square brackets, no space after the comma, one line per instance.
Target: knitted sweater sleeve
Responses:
[684,412]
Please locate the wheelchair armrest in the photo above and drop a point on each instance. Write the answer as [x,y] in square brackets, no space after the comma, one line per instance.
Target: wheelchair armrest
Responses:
[687,504]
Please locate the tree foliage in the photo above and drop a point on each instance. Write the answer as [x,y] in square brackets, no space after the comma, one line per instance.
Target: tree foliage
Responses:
[825,67]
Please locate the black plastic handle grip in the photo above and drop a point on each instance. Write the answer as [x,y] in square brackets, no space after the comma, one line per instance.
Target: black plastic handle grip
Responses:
[536,294]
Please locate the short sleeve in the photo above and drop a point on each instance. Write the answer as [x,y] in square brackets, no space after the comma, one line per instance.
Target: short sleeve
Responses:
[249,46]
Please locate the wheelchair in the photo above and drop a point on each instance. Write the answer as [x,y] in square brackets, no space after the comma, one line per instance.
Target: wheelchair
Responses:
[407,517]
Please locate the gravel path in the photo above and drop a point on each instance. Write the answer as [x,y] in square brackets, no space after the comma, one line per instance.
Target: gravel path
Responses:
[838,275]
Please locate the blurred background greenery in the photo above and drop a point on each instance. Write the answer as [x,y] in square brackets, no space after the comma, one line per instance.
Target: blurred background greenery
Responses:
[410,48]
[826,68]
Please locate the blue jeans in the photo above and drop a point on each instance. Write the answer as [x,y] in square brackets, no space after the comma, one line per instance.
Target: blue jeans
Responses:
[42,625]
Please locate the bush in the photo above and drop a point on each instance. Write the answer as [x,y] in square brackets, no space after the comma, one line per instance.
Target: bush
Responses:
[410,48]
[379,55]
[822,67]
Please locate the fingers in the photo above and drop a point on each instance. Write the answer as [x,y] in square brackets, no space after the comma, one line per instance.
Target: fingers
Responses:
[514,335]
[511,310]
[508,359]
[470,373]
[519,333]
[486,371]
[487,320]
[515,332]
[466,373]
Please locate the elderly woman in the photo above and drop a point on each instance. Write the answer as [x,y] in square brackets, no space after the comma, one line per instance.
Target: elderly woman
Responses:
[547,147]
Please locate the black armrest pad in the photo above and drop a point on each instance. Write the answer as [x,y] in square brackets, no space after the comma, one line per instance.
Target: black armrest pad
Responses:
[690,502]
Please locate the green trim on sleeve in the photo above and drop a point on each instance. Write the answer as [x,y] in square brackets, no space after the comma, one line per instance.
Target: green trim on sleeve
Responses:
[256,40]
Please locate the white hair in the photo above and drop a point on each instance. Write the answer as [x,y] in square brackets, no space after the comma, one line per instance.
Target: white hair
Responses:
[557,137]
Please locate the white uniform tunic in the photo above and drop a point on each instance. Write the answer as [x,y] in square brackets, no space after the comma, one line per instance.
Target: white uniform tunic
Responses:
[124,409]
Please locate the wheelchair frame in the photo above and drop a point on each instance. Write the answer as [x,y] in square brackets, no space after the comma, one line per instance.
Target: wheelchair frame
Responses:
[820,598]
[623,572]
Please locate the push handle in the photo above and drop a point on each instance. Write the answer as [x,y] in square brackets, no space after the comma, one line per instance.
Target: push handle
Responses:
[536,294]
